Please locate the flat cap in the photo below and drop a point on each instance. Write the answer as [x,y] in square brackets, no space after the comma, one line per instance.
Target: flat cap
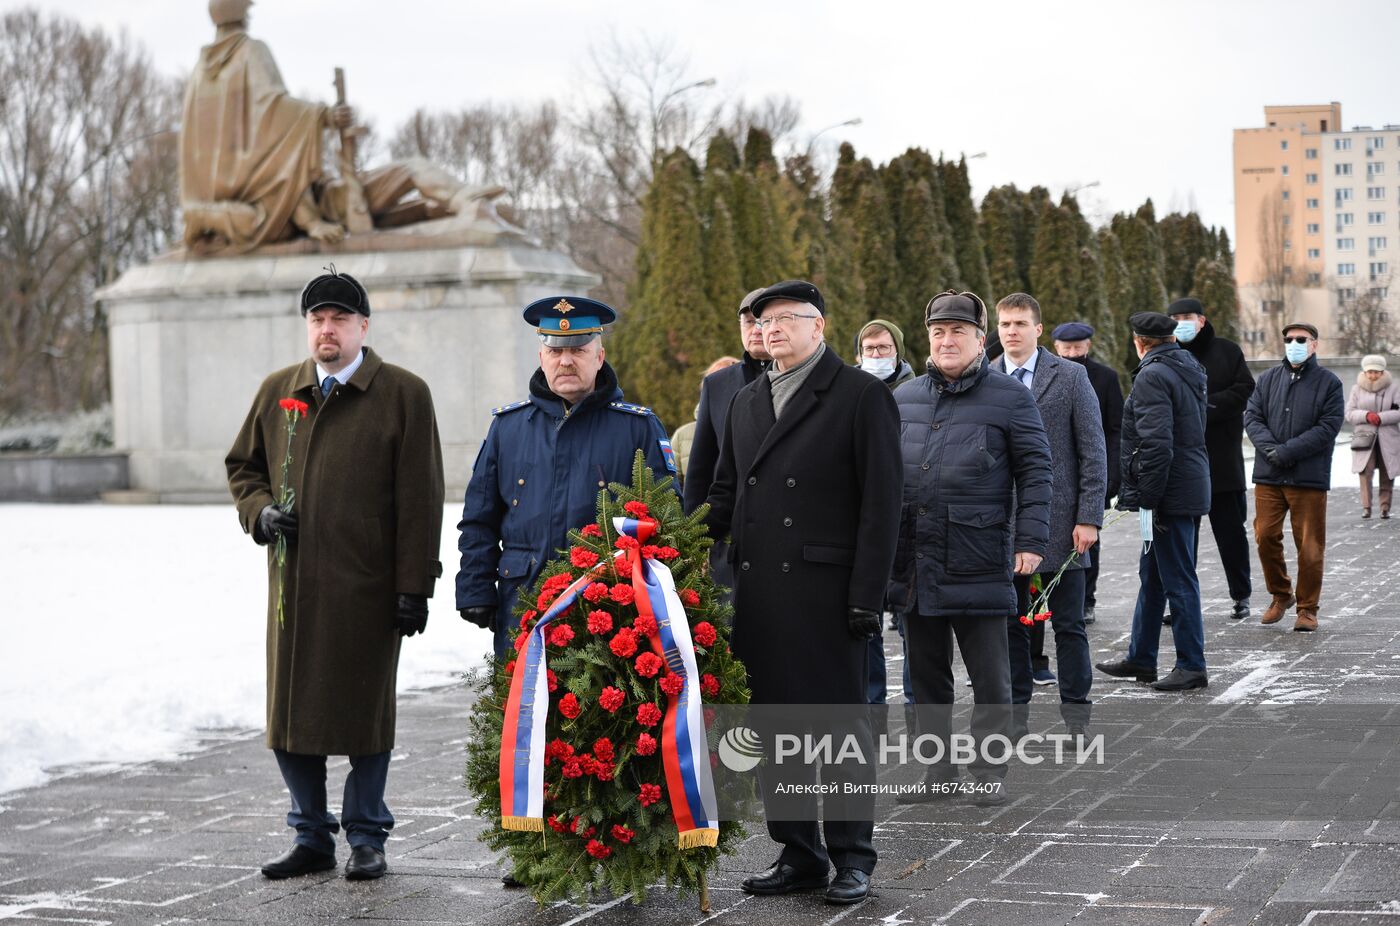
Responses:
[340,290]
[1186,306]
[746,304]
[790,291]
[954,306]
[1072,331]
[1310,329]
[568,321]
[1152,325]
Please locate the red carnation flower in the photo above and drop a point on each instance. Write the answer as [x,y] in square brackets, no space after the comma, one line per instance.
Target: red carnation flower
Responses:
[624,643]
[649,551]
[667,553]
[588,764]
[294,405]
[648,664]
[672,684]
[569,706]
[589,832]
[597,849]
[626,543]
[648,715]
[558,749]
[1043,616]
[595,592]
[622,834]
[560,635]
[611,699]
[646,744]
[591,530]
[603,771]
[645,625]
[525,619]
[1026,619]
[622,594]
[582,558]
[555,825]
[649,794]
[551,680]
[637,510]
[603,749]
[558,581]
[545,598]
[573,824]
[709,685]
[573,769]
[704,634]
[510,667]
[599,622]
[689,597]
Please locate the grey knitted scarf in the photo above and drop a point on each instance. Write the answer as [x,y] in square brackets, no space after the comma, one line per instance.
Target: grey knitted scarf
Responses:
[786,383]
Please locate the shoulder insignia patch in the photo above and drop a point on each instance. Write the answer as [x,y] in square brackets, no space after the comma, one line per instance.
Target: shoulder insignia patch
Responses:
[629,407]
[502,409]
[668,454]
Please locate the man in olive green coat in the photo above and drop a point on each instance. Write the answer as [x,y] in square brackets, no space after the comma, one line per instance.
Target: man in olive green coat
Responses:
[362,538]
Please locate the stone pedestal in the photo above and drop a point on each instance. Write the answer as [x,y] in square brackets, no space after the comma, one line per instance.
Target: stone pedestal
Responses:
[192,339]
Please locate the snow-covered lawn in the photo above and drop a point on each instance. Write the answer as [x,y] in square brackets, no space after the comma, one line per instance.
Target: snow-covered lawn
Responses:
[126,629]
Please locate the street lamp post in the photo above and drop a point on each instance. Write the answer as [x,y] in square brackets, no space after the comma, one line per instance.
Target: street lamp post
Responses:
[659,111]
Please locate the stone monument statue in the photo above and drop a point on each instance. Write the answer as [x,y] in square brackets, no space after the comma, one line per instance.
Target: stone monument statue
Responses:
[251,159]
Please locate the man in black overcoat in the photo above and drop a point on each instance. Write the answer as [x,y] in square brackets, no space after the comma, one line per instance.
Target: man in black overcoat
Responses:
[809,482]
[1229,384]
[1074,341]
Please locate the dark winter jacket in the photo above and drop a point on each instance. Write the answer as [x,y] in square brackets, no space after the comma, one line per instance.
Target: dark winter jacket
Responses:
[812,500]
[976,491]
[1104,379]
[1298,413]
[1164,461]
[1229,385]
[716,392]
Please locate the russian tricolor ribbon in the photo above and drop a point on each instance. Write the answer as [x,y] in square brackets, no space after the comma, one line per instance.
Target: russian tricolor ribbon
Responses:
[684,752]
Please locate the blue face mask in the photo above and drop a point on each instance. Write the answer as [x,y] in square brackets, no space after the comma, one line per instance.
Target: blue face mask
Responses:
[1185,331]
[1296,353]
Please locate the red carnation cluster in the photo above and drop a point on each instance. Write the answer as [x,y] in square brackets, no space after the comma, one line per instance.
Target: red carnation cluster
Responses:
[595,592]
[646,744]
[622,594]
[648,715]
[624,643]
[648,664]
[591,530]
[704,634]
[672,684]
[295,405]
[560,635]
[583,558]
[690,597]
[649,794]
[599,622]
[611,699]
[667,553]
[569,706]
[637,510]
[645,625]
[709,685]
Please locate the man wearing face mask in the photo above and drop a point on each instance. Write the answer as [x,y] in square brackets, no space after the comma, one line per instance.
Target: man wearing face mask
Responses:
[1293,419]
[880,352]
[1228,388]
[544,459]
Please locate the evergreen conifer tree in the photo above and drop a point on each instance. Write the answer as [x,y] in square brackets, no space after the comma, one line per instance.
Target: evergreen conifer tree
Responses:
[967,238]
[1214,284]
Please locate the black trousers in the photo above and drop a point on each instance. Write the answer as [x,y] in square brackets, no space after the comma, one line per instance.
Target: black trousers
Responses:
[366,817]
[1091,583]
[929,651]
[1229,513]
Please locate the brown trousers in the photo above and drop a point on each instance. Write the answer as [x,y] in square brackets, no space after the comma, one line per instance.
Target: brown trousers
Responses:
[1376,464]
[1307,513]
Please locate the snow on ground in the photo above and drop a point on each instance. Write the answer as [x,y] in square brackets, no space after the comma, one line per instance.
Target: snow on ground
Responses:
[127,629]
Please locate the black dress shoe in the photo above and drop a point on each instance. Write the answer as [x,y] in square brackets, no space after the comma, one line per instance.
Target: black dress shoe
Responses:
[1182,680]
[991,793]
[299,860]
[783,879]
[1089,615]
[1167,619]
[366,863]
[1240,610]
[851,885]
[1122,668]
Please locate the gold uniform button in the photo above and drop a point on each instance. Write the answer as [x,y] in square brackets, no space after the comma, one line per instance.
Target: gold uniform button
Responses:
[601,483]
[514,502]
[520,482]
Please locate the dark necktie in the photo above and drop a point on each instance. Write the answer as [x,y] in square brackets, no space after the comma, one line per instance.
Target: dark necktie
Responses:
[1021,374]
[327,385]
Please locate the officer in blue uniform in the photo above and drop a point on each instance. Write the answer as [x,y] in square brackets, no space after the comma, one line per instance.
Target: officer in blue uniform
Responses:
[544,460]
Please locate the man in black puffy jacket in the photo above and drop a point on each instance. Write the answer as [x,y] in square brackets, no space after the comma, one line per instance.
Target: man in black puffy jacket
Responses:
[1166,476]
[976,508]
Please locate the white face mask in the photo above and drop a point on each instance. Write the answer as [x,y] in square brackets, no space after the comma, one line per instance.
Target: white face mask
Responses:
[879,367]
[1185,331]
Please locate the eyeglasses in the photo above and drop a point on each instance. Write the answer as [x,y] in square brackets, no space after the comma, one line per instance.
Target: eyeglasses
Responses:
[878,350]
[1301,339]
[784,320]
[747,321]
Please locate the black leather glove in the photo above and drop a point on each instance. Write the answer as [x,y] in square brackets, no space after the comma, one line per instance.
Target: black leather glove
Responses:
[412,616]
[1272,455]
[863,624]
[483,615]
[273,521]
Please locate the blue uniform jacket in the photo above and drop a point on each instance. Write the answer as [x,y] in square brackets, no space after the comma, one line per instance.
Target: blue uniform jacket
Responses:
[537,476]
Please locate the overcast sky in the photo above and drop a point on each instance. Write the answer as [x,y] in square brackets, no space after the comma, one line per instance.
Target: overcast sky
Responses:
[1140,97]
